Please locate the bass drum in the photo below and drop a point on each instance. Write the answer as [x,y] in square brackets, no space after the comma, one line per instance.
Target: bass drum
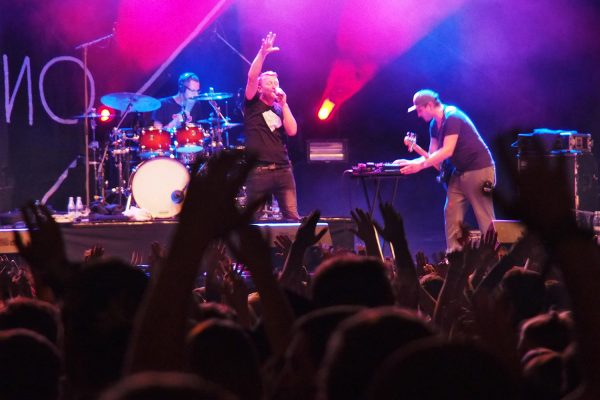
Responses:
[158,185]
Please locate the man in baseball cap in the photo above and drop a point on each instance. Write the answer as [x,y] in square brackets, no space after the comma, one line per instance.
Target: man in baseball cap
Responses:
[467,166]
[422,97]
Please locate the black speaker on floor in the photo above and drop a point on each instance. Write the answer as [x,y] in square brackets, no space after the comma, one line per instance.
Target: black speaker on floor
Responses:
[582,175]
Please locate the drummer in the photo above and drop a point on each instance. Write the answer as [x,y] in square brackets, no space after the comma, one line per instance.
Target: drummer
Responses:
[180,108]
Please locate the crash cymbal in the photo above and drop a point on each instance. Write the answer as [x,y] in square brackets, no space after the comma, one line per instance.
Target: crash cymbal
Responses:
[213,96]
[138,102]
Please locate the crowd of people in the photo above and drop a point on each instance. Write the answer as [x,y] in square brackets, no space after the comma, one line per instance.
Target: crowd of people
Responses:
[327,325]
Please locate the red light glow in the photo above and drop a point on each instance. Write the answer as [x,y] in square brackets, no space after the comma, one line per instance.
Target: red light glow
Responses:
[106,114]
[326,109]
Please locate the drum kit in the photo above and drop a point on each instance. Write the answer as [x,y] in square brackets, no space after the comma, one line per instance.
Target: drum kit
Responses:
[152,163]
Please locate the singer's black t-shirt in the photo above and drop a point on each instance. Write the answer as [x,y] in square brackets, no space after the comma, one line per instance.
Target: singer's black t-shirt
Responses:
[265,135]
[168,107]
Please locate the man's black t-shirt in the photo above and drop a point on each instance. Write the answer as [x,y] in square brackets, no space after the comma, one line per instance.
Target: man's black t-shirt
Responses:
[471,152]
[169,107]
[265,135]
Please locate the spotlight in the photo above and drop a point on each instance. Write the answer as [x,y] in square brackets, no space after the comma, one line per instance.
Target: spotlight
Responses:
[326,109]
[105,114]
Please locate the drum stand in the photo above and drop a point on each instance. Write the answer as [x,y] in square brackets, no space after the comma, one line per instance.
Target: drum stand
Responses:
[121,190]
[216,136]
[94,146]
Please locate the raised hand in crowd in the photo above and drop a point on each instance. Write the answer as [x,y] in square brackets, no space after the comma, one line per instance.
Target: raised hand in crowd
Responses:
[294,275]
[283,245]
[94,253]
[136,258]
[45,253]
[214,264]
[366,231]
[545,205]
[406,282]
[209,212]
[252,249]
[483,255]
[156,257]
[422,264]
[234,293]
[14,280]
[451,299]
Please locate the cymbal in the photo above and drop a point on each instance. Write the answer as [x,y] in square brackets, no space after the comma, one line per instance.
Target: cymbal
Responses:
[139,102]
[231,125]
[213,96]
[219,121]
[212,120]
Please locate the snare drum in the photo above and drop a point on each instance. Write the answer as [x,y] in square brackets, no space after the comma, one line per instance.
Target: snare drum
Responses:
[154,142]
[189,139]
[158,185]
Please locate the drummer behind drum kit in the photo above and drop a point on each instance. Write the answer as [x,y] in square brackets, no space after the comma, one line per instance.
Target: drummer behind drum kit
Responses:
[153,163]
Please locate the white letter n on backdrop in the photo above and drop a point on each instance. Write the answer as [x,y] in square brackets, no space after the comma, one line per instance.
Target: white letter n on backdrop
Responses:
[9,101]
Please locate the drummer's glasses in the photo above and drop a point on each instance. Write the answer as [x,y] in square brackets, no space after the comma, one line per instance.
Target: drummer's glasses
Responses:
[192,90]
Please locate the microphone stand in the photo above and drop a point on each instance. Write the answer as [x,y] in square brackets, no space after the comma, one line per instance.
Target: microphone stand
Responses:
[85,47]
[59,181]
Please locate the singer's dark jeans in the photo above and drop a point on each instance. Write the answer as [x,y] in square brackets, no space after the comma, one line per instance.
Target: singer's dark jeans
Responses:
[278,182]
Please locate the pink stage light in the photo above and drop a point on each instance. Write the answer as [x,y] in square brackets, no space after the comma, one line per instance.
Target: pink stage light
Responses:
[150,31]
[326,108]
[371,34]
[106,114]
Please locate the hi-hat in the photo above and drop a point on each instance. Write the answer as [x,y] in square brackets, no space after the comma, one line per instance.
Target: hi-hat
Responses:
[213,96]
[231,125]
[134,101]
[212,120]
[219,122]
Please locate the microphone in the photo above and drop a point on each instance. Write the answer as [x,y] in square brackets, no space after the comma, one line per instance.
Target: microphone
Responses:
[279,94]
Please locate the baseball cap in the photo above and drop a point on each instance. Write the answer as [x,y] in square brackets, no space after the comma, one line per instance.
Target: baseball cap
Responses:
[423,97]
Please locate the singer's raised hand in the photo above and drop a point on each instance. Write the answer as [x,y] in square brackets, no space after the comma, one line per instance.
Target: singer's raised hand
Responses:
[267,44]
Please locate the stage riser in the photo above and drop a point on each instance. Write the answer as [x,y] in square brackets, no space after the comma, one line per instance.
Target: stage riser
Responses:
[121,239]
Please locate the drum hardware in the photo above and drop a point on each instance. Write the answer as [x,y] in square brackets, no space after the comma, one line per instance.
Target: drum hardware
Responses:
[121,151]
[217,137]
[121,146]
[93,146]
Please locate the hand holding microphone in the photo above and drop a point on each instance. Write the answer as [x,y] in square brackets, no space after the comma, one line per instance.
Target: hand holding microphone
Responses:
[280,96]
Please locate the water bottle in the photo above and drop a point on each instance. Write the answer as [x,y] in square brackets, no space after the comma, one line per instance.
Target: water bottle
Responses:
[71,208]
[78,207]
[275,209]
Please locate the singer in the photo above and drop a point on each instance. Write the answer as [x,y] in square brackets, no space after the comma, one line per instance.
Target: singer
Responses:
[180,108]
[268,121]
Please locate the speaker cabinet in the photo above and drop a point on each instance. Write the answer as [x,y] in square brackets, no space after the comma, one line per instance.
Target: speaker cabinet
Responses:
[582,175]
